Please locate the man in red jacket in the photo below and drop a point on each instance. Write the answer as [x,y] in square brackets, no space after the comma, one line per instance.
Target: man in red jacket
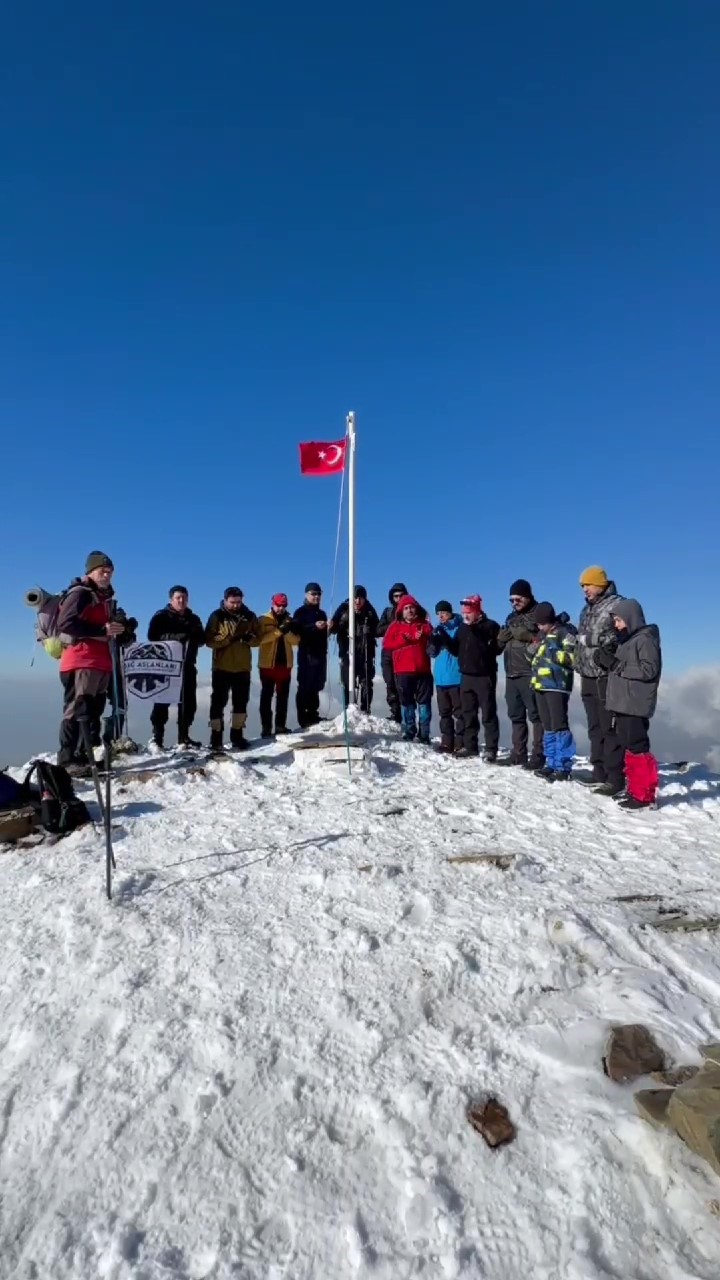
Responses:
[406,639]
[85,625]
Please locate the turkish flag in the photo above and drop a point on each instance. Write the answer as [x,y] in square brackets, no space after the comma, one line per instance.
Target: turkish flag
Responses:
[322,459]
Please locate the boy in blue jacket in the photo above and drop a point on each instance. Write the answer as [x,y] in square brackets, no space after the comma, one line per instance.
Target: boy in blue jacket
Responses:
[552,657]
[447,678]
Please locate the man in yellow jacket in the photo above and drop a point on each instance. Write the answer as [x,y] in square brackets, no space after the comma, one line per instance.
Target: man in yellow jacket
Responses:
[230,632]
[276,639]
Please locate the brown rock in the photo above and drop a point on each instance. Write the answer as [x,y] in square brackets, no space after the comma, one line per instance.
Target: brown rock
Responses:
[17,824]
[711,1052]
[683,924]
[631,1052]
[694,1113]
[652,1104]
[491,1119]
[502,860]
[675,1076]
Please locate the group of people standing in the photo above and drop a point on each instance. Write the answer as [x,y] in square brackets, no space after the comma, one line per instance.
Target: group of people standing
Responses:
[612,649]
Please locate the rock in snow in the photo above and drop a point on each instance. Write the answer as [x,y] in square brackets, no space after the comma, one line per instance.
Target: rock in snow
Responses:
[631,1052]
[492,1120]
[254,1063]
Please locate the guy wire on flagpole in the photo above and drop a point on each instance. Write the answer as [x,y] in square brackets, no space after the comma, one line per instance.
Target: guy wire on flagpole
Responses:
[351,555]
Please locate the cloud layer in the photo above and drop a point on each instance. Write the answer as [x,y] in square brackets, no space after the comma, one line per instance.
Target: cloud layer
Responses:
[686,726]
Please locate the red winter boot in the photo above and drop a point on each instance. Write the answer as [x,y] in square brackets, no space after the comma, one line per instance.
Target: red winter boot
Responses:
[641,772]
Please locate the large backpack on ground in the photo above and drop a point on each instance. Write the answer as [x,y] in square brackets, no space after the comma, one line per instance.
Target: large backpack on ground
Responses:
[61,811]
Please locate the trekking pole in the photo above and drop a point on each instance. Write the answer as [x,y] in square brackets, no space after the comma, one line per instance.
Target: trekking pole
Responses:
[117,706]
[110,863]
[85,734]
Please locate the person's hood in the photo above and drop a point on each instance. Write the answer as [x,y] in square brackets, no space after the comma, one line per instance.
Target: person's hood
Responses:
[397,586]
[610,590]
[403,603]
[173,613]
[631,613]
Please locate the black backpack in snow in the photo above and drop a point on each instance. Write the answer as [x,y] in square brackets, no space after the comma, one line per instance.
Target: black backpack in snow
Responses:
[61,811]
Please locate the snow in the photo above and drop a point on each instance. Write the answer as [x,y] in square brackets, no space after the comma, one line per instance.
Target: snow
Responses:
[256,1061]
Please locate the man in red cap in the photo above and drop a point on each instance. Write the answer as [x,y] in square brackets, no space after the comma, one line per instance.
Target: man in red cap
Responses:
[276,639]
[475,644]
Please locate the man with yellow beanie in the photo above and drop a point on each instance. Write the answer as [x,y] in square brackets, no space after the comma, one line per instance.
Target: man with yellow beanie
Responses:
[596,630]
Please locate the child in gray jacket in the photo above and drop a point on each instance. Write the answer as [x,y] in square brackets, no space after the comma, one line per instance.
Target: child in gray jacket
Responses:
[634,670]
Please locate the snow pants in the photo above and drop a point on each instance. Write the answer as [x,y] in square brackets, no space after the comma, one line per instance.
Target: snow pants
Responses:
[521,702]
[450,712]
[274,683]
[391,685]
[311,680]
[415,694]
[558,742]
[186,709]
[84,694]
[363,682]
[477,697]
[229,684]
[606,752]
[641,768]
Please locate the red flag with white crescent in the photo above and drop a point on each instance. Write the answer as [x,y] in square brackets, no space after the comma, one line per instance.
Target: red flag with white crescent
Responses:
[322,459]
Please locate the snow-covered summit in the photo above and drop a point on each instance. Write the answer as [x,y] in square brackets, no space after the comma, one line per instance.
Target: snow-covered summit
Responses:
[256,1061]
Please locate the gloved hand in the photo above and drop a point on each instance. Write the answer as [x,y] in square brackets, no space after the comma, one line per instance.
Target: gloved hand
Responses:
[605,657]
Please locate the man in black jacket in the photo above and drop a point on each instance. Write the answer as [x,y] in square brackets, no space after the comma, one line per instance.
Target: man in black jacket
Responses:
[366,633]
[476,647]
[178,622]
[396,592]
[521,630]
[310,623]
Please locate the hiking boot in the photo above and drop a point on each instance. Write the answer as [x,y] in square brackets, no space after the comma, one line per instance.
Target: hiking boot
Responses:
[535,762]
[490,757]
[238,742]
[464,753]
[619,797]
[561,775]
[609,789]
[266,732]
[281,729]
[216,740]
[78,770]
[630,802]
[444,748]
[508,762]
[156,746]
[189,743]
[408,735]
[546,772]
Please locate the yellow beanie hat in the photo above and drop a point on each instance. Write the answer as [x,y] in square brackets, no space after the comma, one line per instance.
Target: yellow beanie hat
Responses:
[594,576]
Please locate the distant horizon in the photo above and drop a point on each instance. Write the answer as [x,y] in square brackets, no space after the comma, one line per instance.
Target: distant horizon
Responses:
[686,725]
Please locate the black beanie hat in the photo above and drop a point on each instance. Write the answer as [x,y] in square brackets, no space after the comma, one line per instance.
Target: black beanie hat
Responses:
[232,591]
[443,606]
[313,586]
[360,593]
[98,560]
[521,588]
[544,612]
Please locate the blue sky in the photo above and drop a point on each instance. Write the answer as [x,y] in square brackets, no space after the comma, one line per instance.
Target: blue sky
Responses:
[490,230]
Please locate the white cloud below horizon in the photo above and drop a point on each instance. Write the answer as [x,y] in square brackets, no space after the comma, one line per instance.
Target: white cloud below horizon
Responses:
[685,727]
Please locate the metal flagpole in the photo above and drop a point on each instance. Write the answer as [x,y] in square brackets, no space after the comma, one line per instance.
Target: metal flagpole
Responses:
[351,554]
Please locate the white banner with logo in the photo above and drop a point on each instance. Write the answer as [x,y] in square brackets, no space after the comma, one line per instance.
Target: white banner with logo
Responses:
[154,671]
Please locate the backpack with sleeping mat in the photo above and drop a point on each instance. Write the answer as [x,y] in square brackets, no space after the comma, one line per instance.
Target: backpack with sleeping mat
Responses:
[57,809]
